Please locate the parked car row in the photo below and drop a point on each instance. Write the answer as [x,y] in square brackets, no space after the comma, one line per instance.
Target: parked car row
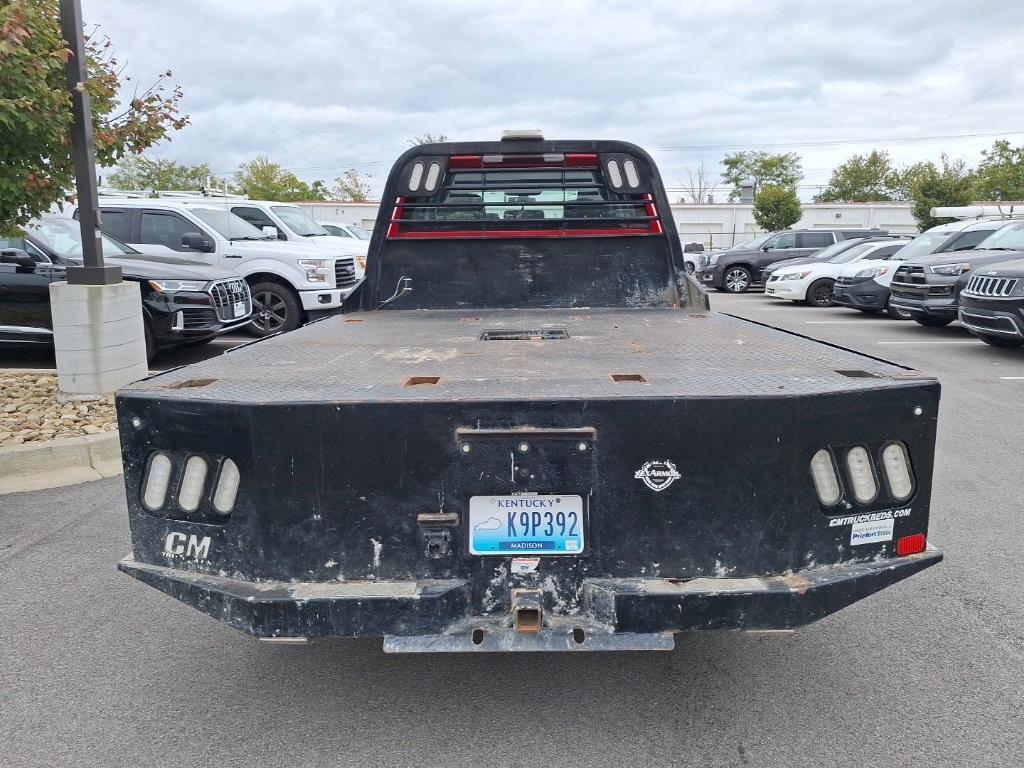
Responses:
[971,270]
[184,302]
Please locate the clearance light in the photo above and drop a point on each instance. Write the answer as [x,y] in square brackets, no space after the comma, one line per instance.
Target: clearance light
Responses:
[911,545]
[897,471]
[632,178]
[192,483]
[227,487]
[614,175]
[158,477]
[432,173]
[416,177]
[825,480]
[862,478]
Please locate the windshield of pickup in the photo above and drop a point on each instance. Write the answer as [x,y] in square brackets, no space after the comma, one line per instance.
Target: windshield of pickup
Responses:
[228,225]
[523,201]
[1009,238]
[63,237]
[298,221]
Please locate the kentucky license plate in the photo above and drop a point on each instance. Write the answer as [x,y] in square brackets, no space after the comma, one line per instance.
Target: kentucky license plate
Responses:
[514,525]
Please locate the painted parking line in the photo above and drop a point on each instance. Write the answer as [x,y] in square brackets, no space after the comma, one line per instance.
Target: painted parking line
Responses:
[859,321]
[978,341]
[1012,378]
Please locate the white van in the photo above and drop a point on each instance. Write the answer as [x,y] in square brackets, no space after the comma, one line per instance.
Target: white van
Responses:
[291,282]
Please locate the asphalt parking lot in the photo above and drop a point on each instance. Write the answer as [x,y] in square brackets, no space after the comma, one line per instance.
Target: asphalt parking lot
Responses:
[98,669]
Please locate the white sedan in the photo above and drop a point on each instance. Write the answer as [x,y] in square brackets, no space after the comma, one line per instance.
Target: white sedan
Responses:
[812,283]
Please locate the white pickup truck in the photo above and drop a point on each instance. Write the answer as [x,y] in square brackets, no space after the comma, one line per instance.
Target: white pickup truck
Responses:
[291,282]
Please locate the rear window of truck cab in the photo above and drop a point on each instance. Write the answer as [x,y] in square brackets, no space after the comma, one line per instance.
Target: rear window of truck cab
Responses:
[551,195]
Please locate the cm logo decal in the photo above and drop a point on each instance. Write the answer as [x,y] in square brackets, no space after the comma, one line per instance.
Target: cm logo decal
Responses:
[190,546]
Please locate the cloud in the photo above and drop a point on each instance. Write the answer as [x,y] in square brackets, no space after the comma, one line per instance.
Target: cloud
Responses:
[320,87]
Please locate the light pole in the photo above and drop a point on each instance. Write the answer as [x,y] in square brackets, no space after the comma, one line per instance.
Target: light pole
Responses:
[98,333]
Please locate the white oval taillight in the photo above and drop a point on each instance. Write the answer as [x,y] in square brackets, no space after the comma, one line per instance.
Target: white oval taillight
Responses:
[158,476]
[862,477]
[416,176]
[227,487]
[433,172]
[614,175]
[632,177]
[825,481]
[193,480]
[896,464]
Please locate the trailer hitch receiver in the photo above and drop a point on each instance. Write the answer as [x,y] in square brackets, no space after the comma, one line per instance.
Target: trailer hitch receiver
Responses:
[527,610]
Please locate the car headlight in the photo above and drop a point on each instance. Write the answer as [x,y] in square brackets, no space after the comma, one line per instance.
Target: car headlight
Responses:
[951,269]
[794,275]
[316,269]
[713,259]
[361,261]
[872,272]
[161,286]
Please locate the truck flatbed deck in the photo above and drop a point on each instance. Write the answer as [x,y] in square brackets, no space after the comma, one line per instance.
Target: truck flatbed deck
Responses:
[527,431]
[378,356]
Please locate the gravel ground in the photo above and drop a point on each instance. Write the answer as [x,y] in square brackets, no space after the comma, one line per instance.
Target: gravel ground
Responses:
[30,411]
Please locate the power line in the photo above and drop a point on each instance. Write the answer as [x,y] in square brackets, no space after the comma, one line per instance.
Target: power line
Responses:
[839,142]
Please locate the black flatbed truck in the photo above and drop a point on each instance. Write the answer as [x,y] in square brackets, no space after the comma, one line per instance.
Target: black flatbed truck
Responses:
[527,432]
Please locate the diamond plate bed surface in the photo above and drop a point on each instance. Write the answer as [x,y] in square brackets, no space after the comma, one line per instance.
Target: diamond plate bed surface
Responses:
[372,356]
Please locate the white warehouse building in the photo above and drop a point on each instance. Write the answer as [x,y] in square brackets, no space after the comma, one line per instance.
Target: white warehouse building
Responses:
[716,225]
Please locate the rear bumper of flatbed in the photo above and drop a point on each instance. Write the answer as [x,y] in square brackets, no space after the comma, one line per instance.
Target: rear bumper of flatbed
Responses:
[614,614]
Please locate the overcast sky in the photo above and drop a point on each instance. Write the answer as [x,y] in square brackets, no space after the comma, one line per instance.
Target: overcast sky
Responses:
[322,86]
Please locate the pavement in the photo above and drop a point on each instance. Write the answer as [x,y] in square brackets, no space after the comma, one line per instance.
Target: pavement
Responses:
[97,669]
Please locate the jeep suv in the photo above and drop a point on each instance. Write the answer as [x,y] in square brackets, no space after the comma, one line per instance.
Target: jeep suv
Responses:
[737,270]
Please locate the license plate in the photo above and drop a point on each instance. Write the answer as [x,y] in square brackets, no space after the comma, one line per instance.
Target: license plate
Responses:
[526,524]
[239,308]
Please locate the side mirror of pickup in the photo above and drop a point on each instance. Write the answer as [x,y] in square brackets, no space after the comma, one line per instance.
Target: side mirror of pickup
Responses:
[19,257]
[197,242]
[270,231]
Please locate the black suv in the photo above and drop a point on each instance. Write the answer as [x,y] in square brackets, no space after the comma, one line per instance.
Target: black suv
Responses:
[737,269]
[992,304]
[182,302]
[928,288]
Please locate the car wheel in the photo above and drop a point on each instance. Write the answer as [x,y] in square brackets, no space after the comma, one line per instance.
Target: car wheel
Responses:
[998,341]
[819,294]
[737,280]
[896,313]
[275,309]
[932,322]
[688,268]
[151,348]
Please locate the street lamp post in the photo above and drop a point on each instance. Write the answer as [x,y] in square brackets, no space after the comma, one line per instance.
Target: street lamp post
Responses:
[93,272]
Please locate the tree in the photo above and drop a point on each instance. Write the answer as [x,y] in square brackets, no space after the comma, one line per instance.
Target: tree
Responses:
[155,173]
[762,168]
[952,185]
[353,186]
[776,207]
[428,138]
[699,185]
[862,179]
[36,167]
[1000,174]
[262,179]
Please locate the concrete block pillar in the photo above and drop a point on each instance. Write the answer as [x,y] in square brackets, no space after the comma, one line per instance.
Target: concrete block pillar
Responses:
[98,337]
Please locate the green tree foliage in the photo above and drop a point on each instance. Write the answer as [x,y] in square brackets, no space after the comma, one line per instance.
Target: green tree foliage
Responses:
[262,179]
[353,186]
[763,168]
[776,207]
[155,173]
[36,167]
[953,184]
[1000,174]
[862,179]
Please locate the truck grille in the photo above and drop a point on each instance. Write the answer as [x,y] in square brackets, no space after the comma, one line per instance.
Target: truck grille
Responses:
[997,287]
[344,273]
[226,294]
[703,261]
[910,274]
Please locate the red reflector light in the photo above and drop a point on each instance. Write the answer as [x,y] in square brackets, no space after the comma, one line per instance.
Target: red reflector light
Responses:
[465,161]
[580,161]
[911,545]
